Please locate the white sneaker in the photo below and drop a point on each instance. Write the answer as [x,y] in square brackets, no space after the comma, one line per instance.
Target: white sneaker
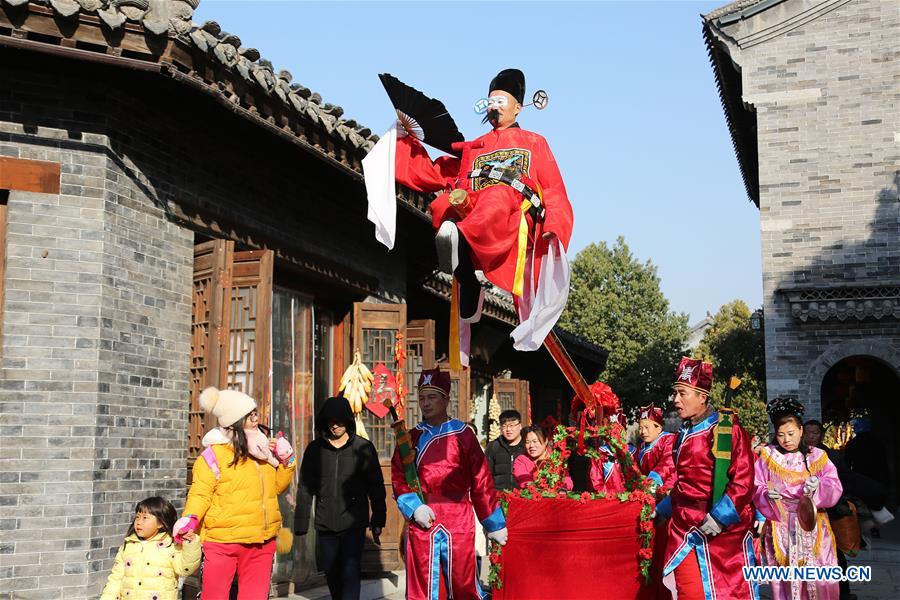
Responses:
[447,244]
[882,516]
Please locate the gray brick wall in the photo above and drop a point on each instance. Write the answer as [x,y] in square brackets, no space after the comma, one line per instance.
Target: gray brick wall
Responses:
[826,99]
[96,335]
[96,342]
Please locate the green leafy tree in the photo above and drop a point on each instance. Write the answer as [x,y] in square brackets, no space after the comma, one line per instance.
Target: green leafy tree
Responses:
[615,301]
[735,348]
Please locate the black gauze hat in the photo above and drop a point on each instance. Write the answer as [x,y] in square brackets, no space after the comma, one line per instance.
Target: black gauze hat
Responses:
[780,407]
[511,81]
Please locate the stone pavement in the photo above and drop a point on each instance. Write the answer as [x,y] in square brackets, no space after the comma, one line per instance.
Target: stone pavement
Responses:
[390,587]
[883,557]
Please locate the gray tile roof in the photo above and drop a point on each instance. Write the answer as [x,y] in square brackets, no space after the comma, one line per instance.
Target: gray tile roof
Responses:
[173,18]
[728,9]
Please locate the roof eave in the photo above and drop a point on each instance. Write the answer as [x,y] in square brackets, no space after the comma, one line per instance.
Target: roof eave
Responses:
[743,141]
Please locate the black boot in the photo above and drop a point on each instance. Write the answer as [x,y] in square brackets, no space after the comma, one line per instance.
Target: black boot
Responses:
[469,286]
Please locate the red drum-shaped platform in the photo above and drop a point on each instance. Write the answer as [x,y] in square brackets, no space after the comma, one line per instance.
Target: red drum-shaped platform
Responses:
[568,550]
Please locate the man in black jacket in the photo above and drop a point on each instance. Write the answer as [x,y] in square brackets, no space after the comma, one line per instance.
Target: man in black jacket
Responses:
[503,451]
[342,471]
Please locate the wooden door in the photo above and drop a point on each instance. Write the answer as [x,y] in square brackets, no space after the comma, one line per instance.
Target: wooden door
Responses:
[375,328]
[249,326]
[230,327]
[212,270]
[419,357]
[513,394]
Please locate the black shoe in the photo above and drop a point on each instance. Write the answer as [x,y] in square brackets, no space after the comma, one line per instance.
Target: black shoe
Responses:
[470,298]
[446,242]
[470,292]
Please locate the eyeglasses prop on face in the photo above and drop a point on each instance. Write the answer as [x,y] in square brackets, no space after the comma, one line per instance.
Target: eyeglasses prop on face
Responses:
[539,101]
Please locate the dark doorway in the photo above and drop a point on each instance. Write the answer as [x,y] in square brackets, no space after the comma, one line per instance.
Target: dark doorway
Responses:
[865,387]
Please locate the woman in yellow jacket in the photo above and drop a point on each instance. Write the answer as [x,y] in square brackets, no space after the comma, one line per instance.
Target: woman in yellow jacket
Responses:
[234,497]
[150,562]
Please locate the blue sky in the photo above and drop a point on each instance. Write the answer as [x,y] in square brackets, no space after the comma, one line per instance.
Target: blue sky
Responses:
[634,117]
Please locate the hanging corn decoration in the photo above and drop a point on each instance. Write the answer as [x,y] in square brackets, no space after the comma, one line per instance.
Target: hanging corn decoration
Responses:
[356,383]
[494,417]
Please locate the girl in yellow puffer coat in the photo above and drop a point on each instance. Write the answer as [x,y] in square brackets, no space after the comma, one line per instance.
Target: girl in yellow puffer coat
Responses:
[149,564]
[234,497]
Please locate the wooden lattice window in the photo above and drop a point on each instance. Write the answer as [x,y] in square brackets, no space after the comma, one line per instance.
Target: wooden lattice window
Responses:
[250,326]
[212,266]
[375,328]
[230,328]
[512,394]
[419,357]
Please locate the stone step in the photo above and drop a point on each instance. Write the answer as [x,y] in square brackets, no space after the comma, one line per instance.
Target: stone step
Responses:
[393,585]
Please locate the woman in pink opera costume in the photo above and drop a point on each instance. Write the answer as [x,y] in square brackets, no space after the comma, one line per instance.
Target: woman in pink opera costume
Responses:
[786,473]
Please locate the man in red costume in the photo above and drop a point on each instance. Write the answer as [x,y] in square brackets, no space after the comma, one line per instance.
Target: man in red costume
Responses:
[655,460]
[454,478]
[492,237]
[708,544]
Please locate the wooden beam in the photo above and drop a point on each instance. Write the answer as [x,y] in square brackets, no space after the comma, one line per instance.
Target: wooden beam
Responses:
[29,175]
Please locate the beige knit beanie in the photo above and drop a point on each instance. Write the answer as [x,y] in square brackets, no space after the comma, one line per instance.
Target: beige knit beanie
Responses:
[228,406]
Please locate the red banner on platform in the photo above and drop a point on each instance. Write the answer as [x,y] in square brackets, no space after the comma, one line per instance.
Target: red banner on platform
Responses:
[571,550]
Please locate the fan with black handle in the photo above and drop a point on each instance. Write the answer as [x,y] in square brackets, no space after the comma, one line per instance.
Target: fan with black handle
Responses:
[425,118]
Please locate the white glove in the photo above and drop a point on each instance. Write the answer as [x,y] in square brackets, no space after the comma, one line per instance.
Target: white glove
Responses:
[758,526]
[710,527]
[811,485]
[500,536]
[424,516]
[774,494]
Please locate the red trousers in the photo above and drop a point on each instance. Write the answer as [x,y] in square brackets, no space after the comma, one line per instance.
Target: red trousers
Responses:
[687,578]
[252,562]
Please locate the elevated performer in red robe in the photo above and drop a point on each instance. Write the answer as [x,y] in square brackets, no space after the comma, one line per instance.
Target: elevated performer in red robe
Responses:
[454,478]
[495,236]
[708,543]
[655,460]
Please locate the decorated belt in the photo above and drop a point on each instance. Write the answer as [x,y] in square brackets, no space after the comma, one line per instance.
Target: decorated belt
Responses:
[513,180]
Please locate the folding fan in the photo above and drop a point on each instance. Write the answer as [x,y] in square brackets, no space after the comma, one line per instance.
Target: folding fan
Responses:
[425,118]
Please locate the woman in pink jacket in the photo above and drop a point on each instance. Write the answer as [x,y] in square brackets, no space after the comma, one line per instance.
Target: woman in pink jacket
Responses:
[537,449]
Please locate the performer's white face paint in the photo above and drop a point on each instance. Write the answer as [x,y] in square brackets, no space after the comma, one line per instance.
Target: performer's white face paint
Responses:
[689,402]
[649,430]
[433,405]
[506,107]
